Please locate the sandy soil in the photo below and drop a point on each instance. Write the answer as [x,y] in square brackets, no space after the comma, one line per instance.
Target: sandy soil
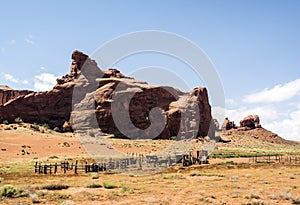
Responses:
[24,143]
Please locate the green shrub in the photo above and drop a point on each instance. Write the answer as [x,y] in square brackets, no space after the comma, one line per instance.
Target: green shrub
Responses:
[46,126]
[127,189]
[8,191]
[110,185]
[94,186]
[92,134]
[18,120]
[53,157]
[5,122]
[94,175]
[55,187]
[168,176]
[56,129]
[35,126]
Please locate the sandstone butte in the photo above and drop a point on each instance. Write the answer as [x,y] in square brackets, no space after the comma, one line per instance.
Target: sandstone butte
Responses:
[87,92]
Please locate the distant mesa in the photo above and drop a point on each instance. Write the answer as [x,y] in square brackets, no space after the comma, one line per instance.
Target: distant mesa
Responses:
[250,126]
[54,107]
[247,123]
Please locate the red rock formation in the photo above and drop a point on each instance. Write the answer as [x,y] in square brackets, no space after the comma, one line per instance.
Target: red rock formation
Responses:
[250,122]
[91,92]
[9,94]
[228,125]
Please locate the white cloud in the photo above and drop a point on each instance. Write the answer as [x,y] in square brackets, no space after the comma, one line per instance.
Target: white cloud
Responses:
[29,39]
[44,81]
[230,102]
[10,78]
[13,79]
[25,82]
[278,93]
[288,128]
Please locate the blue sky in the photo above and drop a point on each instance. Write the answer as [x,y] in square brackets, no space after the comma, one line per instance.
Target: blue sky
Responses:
[254,45]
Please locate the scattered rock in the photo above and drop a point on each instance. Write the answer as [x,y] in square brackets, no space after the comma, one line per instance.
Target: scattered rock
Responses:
[228,125]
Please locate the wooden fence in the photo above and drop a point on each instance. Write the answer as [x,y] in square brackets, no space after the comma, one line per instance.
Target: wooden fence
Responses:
[133,162]
[274,159]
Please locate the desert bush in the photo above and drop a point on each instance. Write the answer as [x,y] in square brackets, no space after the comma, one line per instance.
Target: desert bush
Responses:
[1,179]
[110,185]
[8,191]
[5,122]
[91,134]
[18,120]
[35,199]
[35,127]
[127,189]
[287,195]
[234,178]
[53,157]
[46,126]
[253,196]
[55,187]
[66,144]
[7,128]
[94,175]
[168,176]
[296,200]
[56,129]
[68,202]
[94,186]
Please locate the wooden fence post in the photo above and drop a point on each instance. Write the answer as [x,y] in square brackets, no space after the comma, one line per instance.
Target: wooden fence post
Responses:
[75,169]
[55,168]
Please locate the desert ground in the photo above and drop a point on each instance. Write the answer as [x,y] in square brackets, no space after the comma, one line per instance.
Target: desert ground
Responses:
[229,178]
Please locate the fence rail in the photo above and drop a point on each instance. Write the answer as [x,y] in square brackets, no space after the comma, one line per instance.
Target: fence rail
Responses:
[275,159]
[139,162]
[148,162]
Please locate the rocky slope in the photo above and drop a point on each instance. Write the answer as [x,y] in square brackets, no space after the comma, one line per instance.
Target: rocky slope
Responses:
[88,98]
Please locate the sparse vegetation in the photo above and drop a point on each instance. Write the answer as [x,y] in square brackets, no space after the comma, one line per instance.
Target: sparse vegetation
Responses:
[94,175]
[94,186]
[127,189]
[53,157]
[56,129]
[8,191]
[18,120]
[110,185]
[35,127]
[92,134]
[296,200]
[66,144]
[55,187]
[5,122]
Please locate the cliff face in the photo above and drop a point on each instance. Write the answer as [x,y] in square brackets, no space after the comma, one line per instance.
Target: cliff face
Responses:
[9,94]
[88,98]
